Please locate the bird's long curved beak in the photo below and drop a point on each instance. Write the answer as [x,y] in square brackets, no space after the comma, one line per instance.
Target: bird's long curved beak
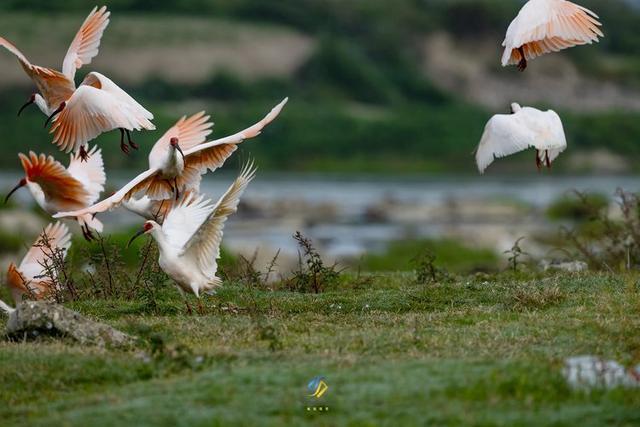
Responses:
[180,151]
[135,236]
[55,113]
[29,102]
[21,184]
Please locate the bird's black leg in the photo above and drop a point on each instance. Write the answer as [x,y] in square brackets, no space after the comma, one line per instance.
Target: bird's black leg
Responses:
[84,156]
[548,160]
[131,143]
[538,162]
[200,307]
[124,147]
[86,233]
[175,188]
[522,65]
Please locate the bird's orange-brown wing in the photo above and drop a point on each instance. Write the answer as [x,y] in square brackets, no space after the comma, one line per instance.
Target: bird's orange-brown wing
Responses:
[56,182]
[54,86]
[20,287]
[86,43]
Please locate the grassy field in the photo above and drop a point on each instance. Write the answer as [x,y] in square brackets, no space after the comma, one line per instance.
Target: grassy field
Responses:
[478,351]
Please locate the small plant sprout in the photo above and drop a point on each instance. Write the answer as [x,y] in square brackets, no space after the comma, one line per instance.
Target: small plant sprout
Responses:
[515,254]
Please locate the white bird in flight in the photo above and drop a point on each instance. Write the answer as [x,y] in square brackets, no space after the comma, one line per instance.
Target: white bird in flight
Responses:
[526,127]
[190,237]
[56,188]
[98,105]
[173,170]
[544,26]
[29,279]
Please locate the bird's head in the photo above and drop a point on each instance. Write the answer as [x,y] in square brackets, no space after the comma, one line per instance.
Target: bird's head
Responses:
[147,228]
[175,144]
[21,184]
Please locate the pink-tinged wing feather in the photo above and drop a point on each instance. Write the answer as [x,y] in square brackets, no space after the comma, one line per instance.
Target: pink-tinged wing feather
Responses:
[190,132]
[58,237]
[544,26]
[86,43]
[129,190]
[59,187]
[90,173]
[97,106]
[54,86]
[204,244]
[212,155]
[11,48]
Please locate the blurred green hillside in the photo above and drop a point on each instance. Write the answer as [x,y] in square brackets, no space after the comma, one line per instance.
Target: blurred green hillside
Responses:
[363,93]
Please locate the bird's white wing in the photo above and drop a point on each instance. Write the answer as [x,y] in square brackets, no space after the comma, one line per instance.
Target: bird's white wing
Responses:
[544,26]
[550,137]
[546,127]
[86,43]
[90,173]
[6,308]
[88,113]
[58,237]
[190,132]
[503,135]
[129,190]
[141,116]
[185,218]
[212,155]
[97,106]
[204,244]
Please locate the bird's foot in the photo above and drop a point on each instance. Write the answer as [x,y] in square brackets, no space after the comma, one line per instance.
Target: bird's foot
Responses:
[87,233]
[124,147]
[522,65]
[200,308]
[189,311]
[131,143]
[84,156]
[538,161]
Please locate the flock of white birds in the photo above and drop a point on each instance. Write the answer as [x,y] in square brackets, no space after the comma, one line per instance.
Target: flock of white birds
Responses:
[186,225]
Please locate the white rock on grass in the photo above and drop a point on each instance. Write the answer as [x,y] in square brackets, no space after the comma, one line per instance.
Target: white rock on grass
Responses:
[591,372]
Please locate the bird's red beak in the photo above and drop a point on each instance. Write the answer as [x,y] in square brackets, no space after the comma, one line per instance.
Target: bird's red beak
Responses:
[21,184]
[29,102]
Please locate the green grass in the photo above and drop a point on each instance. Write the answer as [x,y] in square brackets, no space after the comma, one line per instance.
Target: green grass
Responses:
[450,255]
[475,352]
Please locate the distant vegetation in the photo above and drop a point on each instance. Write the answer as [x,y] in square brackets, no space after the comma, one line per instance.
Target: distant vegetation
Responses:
[361,101]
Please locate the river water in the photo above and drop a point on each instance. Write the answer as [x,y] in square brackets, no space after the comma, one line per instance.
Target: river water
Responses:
[348,215]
